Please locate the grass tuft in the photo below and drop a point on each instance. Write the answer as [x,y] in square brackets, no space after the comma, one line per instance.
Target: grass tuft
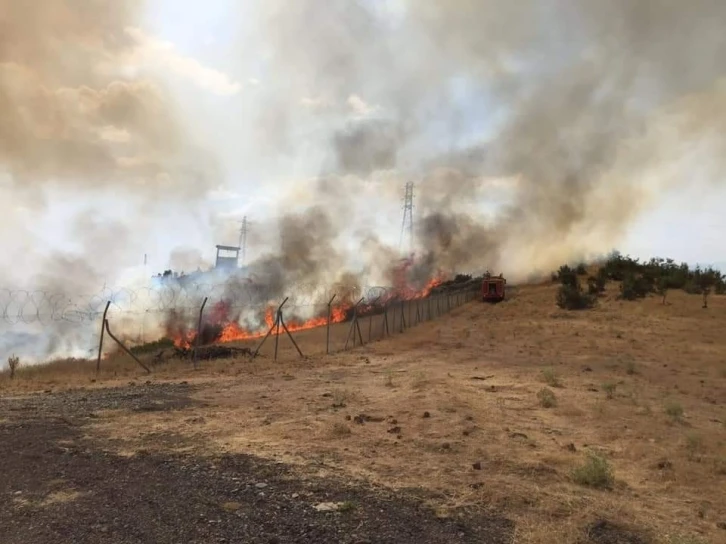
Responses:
[340,430]
[551,378]
[547,398]
[694,444]
[674,410]
[609,388]
[594,472]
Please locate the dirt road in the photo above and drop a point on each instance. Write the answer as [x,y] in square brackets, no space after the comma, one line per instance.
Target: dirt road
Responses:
[60,484]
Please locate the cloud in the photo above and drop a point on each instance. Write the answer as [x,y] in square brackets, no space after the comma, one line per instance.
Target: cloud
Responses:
[153,53]
[223,193]
[360,107]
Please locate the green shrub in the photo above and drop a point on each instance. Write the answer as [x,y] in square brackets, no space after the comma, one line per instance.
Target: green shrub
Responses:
[609,388]
[573,298]
[547,398]
[674,410]
[635,287]
[550,377]
[594,472]
[567,276]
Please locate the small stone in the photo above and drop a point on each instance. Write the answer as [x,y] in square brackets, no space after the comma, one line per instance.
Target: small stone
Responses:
[261,485]
[445,446]
[295,495]
[426,415]
[476,466]
[571,447]
[395,430]
[328,507]
[721,525]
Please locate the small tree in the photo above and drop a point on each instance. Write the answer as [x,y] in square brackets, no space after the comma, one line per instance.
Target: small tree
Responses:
[567,276]
[596,284]
[705,282]
[634,287]
[13,364]
[571,297]
[661,287]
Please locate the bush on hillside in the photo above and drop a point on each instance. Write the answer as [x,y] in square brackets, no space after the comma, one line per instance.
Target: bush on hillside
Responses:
[596,284]
[661,287]
[566,276]
[634,287]
[571,297]
[639,279]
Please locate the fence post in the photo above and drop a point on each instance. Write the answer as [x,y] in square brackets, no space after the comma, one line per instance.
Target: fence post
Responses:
[277,333]
[134,357]
[327,332]
[272,328]
[281,321]
[384,323]
[199,333]
[100,341]
[354,327]
[403,316]
[370,319]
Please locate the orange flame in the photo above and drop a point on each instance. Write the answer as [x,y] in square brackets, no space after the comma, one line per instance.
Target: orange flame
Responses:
[233,332]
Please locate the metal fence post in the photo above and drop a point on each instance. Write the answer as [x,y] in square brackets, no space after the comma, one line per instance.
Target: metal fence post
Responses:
[327,333]
[127,350]
[199,333]
[100,341]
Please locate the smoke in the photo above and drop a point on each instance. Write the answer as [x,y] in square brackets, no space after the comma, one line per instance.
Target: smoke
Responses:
[93,153]
[80,119]
[536,132]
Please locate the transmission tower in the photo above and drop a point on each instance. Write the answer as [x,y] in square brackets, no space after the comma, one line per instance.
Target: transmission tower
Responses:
[243,239]
[407,223]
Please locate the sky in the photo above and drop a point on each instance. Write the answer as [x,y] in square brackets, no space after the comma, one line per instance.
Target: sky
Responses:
[687,224]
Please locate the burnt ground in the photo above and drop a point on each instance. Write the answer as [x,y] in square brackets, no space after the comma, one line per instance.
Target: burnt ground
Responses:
[59,484]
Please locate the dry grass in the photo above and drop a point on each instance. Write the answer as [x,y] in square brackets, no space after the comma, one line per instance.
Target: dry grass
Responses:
[477,374]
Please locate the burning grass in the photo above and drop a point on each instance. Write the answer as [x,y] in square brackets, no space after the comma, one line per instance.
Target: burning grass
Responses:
[222,323]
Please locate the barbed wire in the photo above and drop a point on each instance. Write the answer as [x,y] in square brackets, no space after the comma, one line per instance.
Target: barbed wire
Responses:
[169,295]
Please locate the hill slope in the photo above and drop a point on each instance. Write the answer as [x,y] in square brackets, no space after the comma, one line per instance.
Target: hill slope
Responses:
[454,409]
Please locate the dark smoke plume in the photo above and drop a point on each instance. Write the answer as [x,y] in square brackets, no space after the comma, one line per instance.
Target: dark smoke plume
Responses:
[573,101]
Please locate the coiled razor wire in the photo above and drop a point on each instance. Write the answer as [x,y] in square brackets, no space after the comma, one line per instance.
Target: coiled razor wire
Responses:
[39,307]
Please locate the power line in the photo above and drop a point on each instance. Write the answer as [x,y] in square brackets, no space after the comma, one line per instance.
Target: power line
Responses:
[407,223]
[243,239]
